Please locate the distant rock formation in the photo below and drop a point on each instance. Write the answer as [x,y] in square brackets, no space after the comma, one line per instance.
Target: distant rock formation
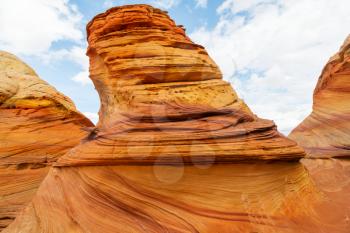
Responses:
[37,125]
[326,132]
[175,149]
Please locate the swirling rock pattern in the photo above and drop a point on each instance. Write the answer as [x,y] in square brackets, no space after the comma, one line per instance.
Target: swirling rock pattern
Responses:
[37,125]
[224,198]
[332,178]
[326,132]
[175,149]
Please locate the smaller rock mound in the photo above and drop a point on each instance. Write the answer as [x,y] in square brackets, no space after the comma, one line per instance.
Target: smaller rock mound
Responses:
[37,125]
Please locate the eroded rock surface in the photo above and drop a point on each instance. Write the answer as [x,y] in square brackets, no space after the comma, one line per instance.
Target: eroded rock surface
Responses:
[175,149]
[326,132]
[37,126]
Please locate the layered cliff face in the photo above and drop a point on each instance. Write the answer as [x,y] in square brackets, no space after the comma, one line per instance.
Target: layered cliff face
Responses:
[326,132]
[175,149]
[37,125]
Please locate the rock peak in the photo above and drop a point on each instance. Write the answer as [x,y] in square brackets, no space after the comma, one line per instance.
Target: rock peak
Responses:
[162,93]
[138,45]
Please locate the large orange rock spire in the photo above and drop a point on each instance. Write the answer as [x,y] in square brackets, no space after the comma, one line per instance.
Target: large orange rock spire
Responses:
[164,97]
[131,48]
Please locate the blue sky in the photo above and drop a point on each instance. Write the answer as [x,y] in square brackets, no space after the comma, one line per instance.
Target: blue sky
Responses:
[272,51]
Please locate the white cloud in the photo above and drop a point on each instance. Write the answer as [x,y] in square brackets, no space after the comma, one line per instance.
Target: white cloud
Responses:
[82,78]
[92,116]
[31,27]
[236,6]
[201,3]
[273,51]
[75,54]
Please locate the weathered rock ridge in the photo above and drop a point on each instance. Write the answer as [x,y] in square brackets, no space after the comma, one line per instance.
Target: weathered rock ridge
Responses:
[326,132]
[37,125]
[175,149]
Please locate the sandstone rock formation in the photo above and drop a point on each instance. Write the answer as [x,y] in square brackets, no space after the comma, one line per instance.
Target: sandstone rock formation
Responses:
[175,149]
[325,135]
[164,98]
[326,132]
[37,125]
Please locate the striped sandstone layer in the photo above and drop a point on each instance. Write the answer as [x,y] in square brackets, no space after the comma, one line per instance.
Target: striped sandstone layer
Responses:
[37,126]
[175,149]
[326,132]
